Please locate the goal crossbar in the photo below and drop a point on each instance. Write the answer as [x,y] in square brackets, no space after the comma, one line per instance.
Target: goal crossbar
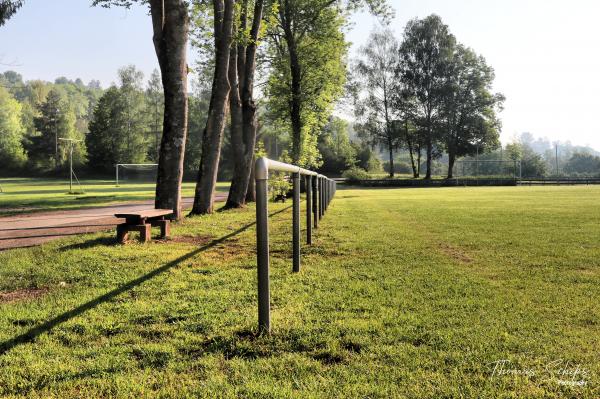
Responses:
[128,164]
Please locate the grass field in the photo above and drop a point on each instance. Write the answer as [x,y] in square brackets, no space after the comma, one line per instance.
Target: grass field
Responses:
[27,195]
[417,293]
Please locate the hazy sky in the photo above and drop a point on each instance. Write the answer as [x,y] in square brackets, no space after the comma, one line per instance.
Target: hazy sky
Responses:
[545,52]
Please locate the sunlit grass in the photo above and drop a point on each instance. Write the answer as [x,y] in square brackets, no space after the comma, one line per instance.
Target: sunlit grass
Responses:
[405,293]
[26,194]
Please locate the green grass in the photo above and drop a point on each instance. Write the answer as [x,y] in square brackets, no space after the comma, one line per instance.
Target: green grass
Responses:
[27,194]
[405,293]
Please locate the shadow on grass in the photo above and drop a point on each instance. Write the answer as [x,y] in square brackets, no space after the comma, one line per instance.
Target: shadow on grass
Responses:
[33,333]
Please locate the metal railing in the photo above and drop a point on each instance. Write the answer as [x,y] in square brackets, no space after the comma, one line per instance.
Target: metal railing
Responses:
[319,193]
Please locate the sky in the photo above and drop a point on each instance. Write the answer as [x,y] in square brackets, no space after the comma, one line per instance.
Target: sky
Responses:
[545,52]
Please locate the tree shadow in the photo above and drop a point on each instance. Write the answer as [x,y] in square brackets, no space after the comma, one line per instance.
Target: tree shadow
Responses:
[33,333]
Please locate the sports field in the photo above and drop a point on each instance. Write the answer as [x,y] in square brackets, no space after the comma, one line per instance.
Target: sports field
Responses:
[418,293]
[32,195]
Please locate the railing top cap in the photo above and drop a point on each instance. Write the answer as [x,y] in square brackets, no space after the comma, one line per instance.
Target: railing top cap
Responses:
[263,165]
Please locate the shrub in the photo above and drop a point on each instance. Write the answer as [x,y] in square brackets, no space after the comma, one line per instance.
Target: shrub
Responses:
[355,173]
[279,185]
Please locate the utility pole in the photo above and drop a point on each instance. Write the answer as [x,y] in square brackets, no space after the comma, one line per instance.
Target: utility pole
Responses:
[71,146]
[55,120]
[556,156]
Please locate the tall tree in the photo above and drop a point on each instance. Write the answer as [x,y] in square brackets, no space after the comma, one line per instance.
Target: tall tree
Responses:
[307,70]
[155,103]
[170,23]
[375,106]
[469,108]
[56,120]
[115,134]
[12,154]
[133,113]
[242,68]
[425,59]
[212,136]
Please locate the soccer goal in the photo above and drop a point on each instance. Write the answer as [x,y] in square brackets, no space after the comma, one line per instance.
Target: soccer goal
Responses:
[138,172]
[488,168]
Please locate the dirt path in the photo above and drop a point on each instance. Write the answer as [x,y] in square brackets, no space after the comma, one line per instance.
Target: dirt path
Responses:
[37,228]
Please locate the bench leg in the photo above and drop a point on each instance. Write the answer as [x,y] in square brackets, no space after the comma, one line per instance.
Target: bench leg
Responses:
[145,232]
[122,233]
[165,228]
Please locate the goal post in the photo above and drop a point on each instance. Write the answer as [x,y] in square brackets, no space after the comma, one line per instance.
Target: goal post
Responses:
[142,166]
[488,167]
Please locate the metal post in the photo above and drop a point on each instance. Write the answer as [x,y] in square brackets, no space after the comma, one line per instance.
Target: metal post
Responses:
[321,198]
[315,197]
[308,209]
[262,255]
[71,169]
[296,223]
[117,175]
[321,210]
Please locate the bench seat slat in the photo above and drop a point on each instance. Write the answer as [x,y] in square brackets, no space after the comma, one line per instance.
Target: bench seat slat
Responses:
[150,213]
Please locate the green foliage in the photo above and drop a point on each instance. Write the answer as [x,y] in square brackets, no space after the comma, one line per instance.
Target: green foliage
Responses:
[12,154]
[56,120]
[279,185]
[514,151]
[583,164]
[111,139]
[367,159]
[355,174]
[335,147]
[319,48]
[155,108]
[469,106]
[376,90]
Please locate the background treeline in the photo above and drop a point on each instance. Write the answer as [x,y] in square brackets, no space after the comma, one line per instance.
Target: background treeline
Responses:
[123,124]
[424,103]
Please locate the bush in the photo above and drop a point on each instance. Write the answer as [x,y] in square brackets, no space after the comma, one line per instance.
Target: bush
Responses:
[279,186]
[355,174]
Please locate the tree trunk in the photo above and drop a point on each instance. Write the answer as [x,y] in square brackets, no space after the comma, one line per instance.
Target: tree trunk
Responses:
[251,192]
[236,196]
[419,160]
[212,137]
[244,139]
[429,156]
[391,159]
[170,22]
[295,106]
[451,159]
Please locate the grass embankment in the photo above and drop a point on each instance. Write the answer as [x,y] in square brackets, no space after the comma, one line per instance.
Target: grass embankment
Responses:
[29,195]
[405,293]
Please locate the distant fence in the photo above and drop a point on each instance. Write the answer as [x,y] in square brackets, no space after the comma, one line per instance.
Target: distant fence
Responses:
[434,182]
[472,181]
[319,193]
[558,181]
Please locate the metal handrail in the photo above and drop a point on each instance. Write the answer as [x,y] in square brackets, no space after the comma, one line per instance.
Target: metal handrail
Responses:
[319,193]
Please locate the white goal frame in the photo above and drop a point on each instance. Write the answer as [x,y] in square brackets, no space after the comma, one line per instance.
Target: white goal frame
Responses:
[129,164]
[516,164]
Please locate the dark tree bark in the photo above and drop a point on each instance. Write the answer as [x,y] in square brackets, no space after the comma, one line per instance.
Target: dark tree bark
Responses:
[429,154]
[419,160]
[296,85]
[451,159]
[170,23]
[390,148]
[242,66]
[251,192]
[212,137]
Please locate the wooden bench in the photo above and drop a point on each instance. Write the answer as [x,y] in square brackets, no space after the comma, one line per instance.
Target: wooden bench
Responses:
[143,221]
